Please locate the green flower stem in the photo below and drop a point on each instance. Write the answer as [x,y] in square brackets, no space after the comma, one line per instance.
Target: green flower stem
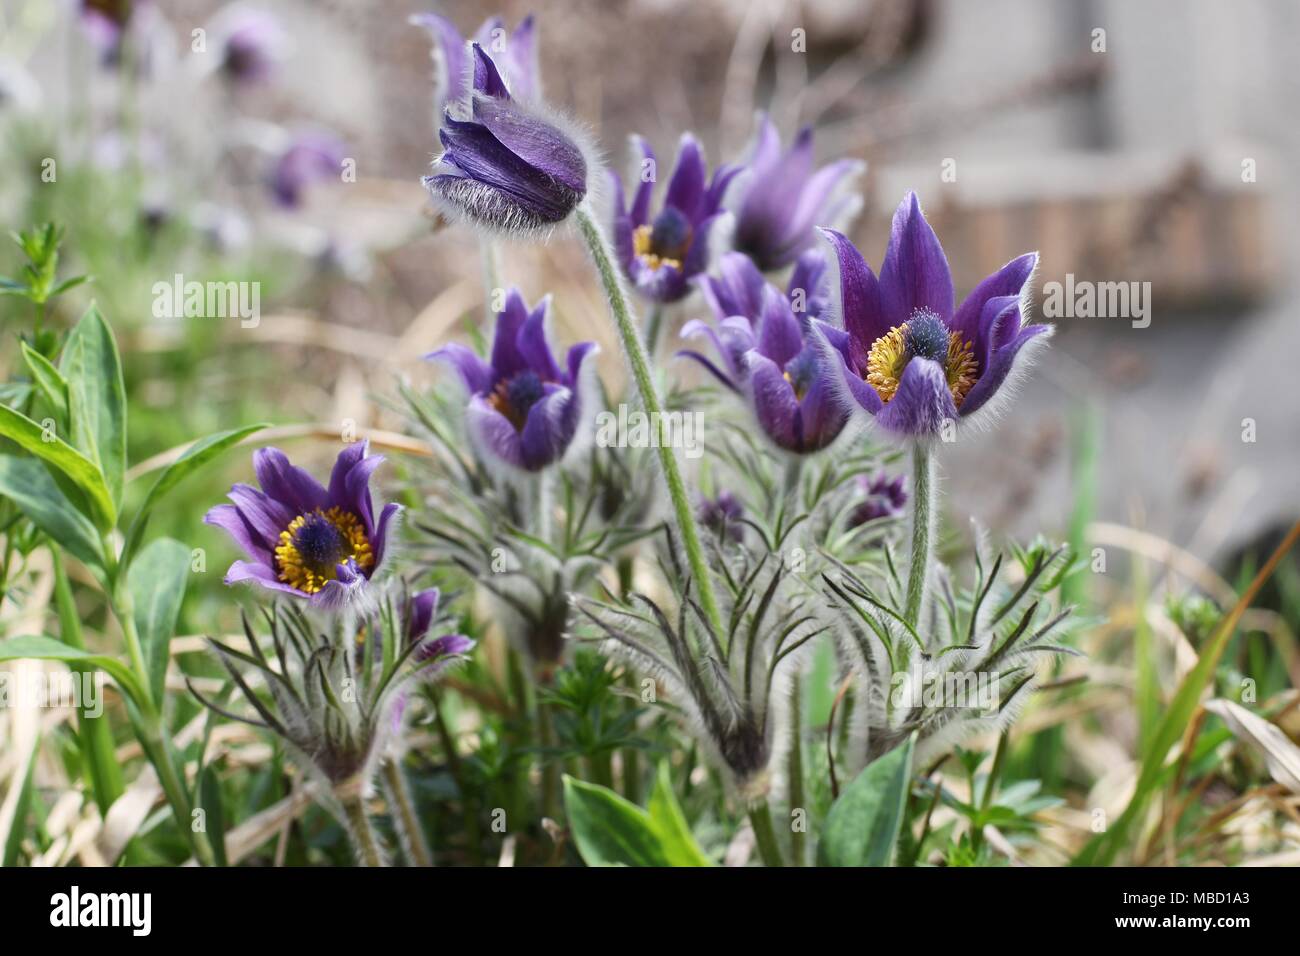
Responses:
[103,772]
[362,833]
[653,326]
[795,769]
[636,358]
[922,526]
[550,769]
[405,819]
[760,818]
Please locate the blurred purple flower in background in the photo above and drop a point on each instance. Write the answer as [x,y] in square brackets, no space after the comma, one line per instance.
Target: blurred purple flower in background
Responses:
[781,198]
[660,254]
[515,55]
[508,166]
[311,157]
[722,515]
[251,41]
[885,497]
[524,407]
[910,358]
[303,539]
[770,356]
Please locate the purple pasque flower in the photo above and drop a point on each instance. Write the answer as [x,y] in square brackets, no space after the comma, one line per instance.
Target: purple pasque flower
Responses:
[781,198]
[311,157]
[432,654]
[908,356]
[515,54]
[506,165]
[883,497]
[770,355]
[302,539]
[524,407]
[660,253]
[722,515]
[252,43]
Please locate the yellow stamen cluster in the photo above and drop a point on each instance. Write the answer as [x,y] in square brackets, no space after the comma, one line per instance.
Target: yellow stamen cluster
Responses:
[641,245]
[889,357]
[295,572]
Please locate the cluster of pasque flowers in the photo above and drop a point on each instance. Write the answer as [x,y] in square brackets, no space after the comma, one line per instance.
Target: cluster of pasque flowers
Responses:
[831,343]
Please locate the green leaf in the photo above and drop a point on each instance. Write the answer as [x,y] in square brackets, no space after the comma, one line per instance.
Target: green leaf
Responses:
[666,815]
[157,582]
[97,398]
[12,839]
[863,824]
[53,386]
[210,802]
[609,830]
[75,466]
[195,457]
[26,483]
[42,648]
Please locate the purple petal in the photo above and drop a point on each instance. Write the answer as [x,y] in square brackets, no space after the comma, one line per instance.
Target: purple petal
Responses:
[449,49]
[548,429]
[774,401]
[1000,366]
[533,346]
[379,540]
[286,483]
[420,614]
[779,338]
[348,458]
[261,575]
[487,79]
[507,359]
[474,372]
[1009,280]
[915,272]
[577,357]
[231,520]
[856,296]
[737,289]
[493,433]
[809,277]
[822,414]
[640,211]
[686,187]
[922,403]
[264,515]
[537,142]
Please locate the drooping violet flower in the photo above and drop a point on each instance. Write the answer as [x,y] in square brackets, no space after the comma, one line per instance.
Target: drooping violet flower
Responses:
[911,359]
[722,515]
[311,157]
[104,22]
[524,407]
[302,539]
[883,497]
[251,44]
[770,356]
[432,655]
[661,253]
[515,55]
[781,198]
[507,165]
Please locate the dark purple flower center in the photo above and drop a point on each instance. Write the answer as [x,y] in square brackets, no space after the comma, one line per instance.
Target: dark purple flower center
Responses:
[802,371]
[667,240]
[321,544]
[926,336]
[515,396]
